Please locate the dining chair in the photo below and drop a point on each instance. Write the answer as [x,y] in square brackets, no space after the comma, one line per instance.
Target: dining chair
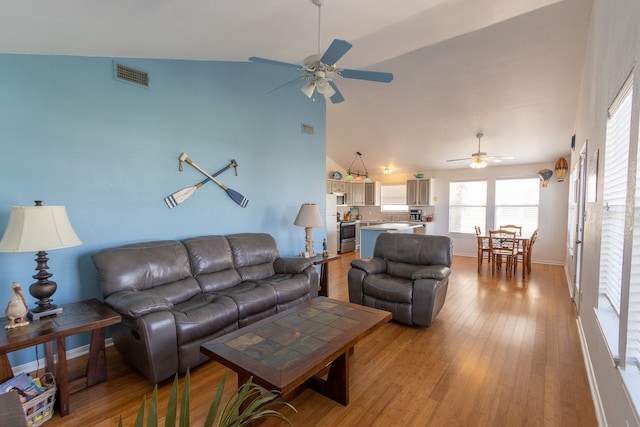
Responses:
[483,247]
[504,247]
[510,227]
[530,243]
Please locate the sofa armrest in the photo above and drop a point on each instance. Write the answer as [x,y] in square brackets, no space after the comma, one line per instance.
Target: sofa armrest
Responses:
[437,272]
[370,265]
[291,265]
[137,304]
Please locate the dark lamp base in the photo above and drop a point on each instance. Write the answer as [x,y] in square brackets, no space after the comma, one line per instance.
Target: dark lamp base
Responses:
[39,312]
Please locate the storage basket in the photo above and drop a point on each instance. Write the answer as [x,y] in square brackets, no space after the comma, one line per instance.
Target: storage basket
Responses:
[40,408]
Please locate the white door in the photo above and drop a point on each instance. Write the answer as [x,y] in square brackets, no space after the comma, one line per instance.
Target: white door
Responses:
[578,181]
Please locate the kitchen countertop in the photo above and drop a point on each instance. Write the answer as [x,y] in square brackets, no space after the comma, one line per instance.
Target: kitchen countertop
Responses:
[390,226]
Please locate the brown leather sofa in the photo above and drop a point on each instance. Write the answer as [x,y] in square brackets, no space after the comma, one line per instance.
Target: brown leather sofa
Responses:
[175,295]
[408,275]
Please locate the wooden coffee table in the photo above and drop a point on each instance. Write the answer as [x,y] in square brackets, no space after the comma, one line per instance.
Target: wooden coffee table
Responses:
[288,350]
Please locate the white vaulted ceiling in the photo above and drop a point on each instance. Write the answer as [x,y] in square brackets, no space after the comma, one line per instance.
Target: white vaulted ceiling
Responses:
[508,68]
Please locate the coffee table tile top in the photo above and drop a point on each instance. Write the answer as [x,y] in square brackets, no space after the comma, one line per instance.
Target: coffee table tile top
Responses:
[284,343]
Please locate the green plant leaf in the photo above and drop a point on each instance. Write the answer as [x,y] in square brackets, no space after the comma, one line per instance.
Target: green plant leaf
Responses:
[140,417]
[152,416]
[185,403]
[215,405]
[172,405]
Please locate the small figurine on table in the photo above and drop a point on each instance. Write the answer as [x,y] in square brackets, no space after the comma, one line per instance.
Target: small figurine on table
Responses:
[17,308]
[325,253]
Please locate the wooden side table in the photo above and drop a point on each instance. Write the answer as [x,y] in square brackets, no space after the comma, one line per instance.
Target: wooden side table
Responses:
[323,262]
[84,316]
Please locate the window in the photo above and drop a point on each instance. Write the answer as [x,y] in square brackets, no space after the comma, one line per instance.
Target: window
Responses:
[517,203]
[393,198]
[467,206]
[619,291]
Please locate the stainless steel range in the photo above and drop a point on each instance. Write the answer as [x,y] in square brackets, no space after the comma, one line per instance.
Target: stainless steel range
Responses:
[347,236]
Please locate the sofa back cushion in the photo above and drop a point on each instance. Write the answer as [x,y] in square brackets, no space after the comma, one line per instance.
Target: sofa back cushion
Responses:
[253,255]
[160,268]
[405,253]
[212,263]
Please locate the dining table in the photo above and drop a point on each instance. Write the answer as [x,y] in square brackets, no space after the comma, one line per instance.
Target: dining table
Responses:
[523,244]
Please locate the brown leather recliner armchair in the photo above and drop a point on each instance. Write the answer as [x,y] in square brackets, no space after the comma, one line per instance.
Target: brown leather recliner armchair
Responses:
[408,275]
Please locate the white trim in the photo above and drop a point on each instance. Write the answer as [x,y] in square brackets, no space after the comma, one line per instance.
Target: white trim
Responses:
[71,354]
[591,377]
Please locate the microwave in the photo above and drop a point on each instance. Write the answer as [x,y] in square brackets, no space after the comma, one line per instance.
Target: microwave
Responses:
[341,199]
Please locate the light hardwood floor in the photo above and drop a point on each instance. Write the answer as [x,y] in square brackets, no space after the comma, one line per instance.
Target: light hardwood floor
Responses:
[503,352]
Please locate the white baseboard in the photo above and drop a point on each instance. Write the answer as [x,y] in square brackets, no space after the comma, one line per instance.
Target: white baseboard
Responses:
[71,354]
[595,393]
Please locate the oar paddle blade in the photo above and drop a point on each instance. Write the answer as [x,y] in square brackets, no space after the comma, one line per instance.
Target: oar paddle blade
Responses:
[237,197]
[180,196]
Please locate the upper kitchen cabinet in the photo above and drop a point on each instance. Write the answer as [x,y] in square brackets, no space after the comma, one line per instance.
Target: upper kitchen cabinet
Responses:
[420,192]
[356,196]
[372,194]
[334,186]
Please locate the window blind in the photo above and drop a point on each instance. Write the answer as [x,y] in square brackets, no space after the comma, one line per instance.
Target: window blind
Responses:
[517,202]
[467,206]
[615,178]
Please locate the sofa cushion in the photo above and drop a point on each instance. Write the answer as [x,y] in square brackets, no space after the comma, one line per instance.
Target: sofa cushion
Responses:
[253,255]
[212,263]
[288,287]
[252,299]
[203,315]
[414,249]
[150,265]
[388,288]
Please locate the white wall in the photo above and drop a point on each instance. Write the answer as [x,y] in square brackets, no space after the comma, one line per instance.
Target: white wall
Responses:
[612,52]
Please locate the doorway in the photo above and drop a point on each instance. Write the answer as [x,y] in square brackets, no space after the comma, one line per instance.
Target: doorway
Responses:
[576,233]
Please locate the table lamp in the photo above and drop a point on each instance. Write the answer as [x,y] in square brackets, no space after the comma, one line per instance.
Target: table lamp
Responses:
[39,229]
[309,217]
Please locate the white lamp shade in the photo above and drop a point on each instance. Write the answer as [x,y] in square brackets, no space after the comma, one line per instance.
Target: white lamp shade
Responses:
[308,88]
[38,228]
[309,216]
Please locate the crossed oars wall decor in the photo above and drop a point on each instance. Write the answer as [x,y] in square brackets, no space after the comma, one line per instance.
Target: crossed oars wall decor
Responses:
[234,195]
[181,195]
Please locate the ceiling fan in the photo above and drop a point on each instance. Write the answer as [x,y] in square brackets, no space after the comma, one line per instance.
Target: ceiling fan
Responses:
[478,159]
[320,71]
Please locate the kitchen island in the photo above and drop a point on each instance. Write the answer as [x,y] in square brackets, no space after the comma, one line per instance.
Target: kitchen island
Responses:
[370,233]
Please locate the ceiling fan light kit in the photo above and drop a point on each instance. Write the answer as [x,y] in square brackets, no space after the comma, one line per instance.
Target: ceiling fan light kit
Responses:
[321,70]
[479,158]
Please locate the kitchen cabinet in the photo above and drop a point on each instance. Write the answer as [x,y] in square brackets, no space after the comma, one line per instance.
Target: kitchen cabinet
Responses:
[356,196]
[420,192]
[334,186]
[372,194]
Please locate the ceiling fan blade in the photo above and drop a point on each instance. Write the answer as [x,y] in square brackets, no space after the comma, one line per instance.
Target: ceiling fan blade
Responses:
[374,76]
[272,62]
[336,51]
[499,157]
[459,160]
[337,97]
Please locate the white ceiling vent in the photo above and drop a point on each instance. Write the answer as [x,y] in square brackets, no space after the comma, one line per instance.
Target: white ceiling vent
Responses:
[131,75]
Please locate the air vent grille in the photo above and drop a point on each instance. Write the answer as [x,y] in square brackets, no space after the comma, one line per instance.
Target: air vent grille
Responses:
[132,75]
[307,129]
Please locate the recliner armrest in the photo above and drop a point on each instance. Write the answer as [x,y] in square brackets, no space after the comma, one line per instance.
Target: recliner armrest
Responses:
[137,304]
[291,265]
[437,272]
[370,265]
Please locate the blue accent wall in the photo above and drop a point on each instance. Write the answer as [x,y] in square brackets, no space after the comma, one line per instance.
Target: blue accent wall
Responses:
[73,135]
